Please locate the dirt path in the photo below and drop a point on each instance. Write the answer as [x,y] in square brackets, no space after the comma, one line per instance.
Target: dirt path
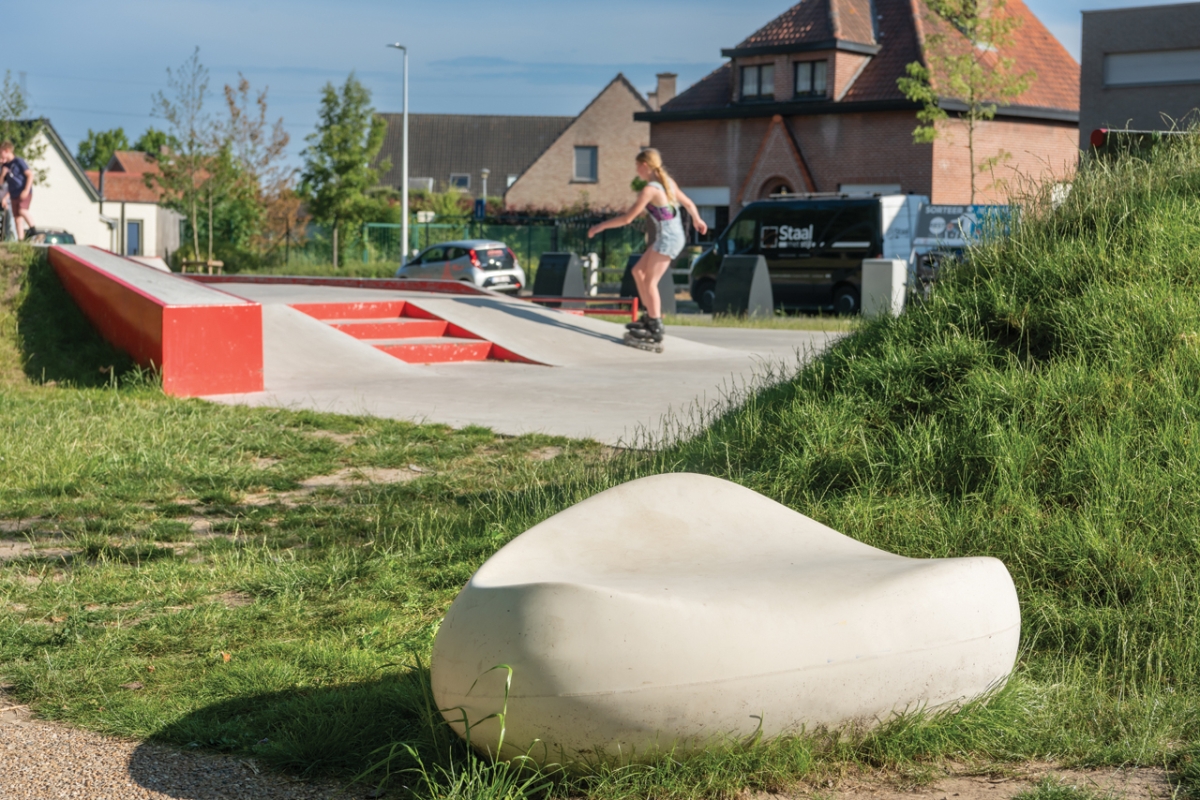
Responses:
[1144,783]
[41,760]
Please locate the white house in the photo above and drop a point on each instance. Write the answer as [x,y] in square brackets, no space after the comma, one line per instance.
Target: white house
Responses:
[128,221]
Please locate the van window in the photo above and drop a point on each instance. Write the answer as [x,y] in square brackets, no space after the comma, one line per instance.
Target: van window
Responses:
[797,231]
[793,231]
[741,237]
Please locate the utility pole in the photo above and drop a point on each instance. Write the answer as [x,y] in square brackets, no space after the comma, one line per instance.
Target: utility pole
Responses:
[404,164]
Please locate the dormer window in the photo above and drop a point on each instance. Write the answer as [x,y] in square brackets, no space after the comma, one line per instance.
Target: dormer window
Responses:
[758,82]
[811,78]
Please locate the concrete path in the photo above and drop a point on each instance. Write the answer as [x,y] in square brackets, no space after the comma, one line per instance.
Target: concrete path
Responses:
[592,387]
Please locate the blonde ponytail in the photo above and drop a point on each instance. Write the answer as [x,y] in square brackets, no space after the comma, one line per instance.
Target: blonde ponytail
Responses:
[653,159]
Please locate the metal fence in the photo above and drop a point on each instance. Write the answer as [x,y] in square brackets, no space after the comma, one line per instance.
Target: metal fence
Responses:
[528,239]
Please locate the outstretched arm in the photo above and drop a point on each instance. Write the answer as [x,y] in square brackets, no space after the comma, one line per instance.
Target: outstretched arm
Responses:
[629,216]
[700,225]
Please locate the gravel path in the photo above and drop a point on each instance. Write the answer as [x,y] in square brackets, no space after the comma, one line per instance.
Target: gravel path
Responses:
[45,761]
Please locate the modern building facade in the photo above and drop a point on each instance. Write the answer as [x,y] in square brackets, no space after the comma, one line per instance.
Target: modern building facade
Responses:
[810,103]
[1141,69]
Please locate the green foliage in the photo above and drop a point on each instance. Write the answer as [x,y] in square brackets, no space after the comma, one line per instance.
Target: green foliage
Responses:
[155,142]
[16,127]
[337,162]
[97,148]
[963,66]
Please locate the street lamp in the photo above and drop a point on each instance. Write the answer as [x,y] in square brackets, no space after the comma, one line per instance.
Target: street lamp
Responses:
[404,165]
[483,173]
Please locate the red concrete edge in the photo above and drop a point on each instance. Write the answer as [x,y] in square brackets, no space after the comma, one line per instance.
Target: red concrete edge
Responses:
[442,287]
[199,350]
[128,318]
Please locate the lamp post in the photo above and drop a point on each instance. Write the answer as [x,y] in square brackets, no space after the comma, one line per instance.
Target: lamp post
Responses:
[404,165]
[483,173]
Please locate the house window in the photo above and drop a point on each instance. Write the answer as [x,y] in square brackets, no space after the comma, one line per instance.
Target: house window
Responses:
[1163,66]
[460,180]
[587,163]
[758,82]
[811,78]
[133,237]
[511,180]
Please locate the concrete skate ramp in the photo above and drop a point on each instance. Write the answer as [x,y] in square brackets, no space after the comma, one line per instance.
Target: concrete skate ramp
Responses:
[301,353]
[597,387]
[543,335]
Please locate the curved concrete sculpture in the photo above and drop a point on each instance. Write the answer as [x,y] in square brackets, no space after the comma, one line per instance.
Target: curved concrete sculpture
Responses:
[678,610]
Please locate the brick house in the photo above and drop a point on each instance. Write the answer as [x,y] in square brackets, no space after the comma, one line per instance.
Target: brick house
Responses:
[809,103]
[534,162]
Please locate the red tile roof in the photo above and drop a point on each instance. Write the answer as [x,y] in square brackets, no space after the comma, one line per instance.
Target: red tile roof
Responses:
[125,178]
[131,161]
[807,21]
[714,90]
[902,27]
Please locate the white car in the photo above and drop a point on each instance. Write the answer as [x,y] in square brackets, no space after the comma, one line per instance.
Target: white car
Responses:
[484,262]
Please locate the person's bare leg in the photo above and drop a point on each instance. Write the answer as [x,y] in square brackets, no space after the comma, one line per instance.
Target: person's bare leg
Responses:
[24,215]
[647,273]
[19,222]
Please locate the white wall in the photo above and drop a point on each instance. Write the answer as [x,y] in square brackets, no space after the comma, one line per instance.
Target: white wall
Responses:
[146,212]
[62,200]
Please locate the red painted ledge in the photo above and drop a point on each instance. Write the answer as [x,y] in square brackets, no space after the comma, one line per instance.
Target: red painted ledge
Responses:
[203,341]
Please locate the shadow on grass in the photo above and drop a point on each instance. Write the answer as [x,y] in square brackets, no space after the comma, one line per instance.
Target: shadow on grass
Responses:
[57,341]
[316,733]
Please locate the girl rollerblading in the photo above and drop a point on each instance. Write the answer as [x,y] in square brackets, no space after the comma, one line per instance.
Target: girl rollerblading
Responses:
[662,200]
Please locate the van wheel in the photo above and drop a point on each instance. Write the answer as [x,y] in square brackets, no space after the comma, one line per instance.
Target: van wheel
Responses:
[845,301]
[705,295]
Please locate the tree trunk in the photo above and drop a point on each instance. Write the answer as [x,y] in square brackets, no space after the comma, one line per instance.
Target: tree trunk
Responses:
[194,221]
[210,229]
[971,154]
[335,247]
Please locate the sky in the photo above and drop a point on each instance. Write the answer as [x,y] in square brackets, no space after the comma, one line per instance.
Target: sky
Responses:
[96,65]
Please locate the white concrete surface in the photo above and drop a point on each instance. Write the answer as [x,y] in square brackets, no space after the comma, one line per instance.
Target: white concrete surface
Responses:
[167,287]
[681,610]
[592,387]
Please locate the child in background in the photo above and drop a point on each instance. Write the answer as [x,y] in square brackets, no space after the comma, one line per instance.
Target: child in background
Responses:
[18,183]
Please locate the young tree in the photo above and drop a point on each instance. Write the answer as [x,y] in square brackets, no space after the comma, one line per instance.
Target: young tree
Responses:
[184,172]
[337,161]
[16,127]
[97,149]
[965,64]
[154,142]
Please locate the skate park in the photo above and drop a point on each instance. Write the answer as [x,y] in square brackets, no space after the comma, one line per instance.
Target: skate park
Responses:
[440,351]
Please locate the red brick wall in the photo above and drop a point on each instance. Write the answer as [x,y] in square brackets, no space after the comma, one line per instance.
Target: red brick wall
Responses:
[873,147]
[1039,151]
[606,124]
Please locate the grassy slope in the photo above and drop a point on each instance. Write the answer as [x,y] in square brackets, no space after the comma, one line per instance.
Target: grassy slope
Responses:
[1040,409]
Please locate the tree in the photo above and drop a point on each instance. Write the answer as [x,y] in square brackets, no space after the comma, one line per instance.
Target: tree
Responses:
[97,149]
[337,161]
[16,127]
[966,67]
[154,142]
[184,172]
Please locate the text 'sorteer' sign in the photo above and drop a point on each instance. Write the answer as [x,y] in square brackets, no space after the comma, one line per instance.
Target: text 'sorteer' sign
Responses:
[787,237]
[958,226]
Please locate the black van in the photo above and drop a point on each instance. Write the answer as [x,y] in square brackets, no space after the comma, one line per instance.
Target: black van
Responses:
[814,247]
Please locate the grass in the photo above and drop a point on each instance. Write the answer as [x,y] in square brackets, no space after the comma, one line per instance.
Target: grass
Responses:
[1042,408]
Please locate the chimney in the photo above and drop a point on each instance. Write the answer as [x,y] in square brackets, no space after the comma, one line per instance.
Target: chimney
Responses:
[666,88]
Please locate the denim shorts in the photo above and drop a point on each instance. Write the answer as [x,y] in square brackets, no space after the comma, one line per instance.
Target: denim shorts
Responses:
[671,239]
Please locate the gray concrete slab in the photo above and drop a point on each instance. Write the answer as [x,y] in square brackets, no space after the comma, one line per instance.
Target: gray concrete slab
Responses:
[598,388]
[166,287]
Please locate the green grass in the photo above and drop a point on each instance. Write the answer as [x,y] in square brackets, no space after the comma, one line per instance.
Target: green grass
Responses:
[1042,408]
